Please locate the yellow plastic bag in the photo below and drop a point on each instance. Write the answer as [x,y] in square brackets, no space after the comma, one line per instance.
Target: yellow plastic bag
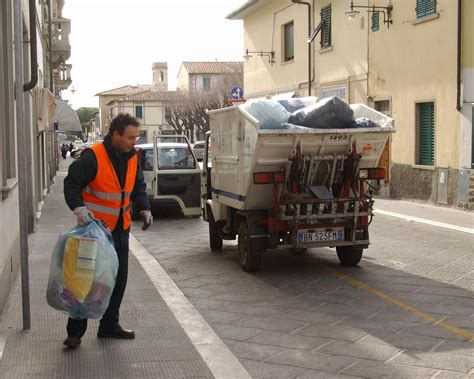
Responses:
[79,261]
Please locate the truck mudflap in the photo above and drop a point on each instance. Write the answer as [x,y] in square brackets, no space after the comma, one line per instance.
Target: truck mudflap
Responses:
[321,223]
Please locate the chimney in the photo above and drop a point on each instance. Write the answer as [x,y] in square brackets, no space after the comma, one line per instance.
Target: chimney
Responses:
[160,76]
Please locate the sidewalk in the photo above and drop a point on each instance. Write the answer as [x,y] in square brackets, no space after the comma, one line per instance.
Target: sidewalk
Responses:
[429,214]
[161,349]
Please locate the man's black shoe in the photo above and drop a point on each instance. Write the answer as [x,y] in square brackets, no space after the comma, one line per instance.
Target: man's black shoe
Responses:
[72,342]
[117,332]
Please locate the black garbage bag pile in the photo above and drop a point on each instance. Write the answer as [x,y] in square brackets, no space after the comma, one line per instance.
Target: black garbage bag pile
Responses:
[329,113]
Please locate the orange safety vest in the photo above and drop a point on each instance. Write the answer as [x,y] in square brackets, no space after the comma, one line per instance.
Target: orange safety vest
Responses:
[104,196]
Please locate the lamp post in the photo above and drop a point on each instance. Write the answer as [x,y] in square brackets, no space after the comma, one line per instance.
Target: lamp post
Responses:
[309,44]
[269,54]
[387,12]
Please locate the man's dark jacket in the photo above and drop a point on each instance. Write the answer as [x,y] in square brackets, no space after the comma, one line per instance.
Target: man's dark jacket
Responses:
[83,171]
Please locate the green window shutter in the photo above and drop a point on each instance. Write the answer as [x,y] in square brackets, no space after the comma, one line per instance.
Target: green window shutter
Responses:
[430,7]
[289,42]
[326,30]
[138,111]
[425,8]
[426,134]
[375,21]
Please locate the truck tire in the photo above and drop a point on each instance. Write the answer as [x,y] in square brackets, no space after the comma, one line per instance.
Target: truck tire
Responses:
[249,259]
[215,241]
[349,255]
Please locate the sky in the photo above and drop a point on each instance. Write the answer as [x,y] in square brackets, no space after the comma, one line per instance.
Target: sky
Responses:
[115,42]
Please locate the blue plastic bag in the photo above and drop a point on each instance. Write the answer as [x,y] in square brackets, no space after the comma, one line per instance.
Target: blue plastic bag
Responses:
[269,113]
[83,271]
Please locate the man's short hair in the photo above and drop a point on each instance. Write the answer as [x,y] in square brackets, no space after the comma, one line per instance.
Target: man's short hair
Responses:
[121,121]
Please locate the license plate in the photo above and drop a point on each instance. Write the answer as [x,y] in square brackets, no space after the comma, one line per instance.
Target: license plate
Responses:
[309,236]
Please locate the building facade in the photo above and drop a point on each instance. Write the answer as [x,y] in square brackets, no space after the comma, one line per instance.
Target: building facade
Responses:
[410,68]
[33,71]
[209,76]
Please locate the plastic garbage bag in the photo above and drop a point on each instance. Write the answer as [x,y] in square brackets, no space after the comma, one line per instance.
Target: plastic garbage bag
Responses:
[364,122]
[83,271]
[328,113]
[269,113]
[294,104]
[363,111]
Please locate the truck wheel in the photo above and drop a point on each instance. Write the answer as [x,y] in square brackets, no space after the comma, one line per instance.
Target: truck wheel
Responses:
[349,255]
[249,259]
[214,239]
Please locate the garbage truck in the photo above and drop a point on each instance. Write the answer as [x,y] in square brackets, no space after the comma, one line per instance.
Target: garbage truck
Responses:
[291,188]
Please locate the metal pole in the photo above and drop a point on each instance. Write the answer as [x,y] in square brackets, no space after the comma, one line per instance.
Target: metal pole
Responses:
[21,142]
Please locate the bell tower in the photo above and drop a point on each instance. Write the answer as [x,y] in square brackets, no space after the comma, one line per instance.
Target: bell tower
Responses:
[160,76]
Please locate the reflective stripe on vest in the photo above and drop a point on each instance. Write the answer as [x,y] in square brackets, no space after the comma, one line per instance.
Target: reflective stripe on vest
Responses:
[104,195]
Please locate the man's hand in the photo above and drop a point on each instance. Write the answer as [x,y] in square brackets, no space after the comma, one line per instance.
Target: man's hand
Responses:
[147,219]
[84,215]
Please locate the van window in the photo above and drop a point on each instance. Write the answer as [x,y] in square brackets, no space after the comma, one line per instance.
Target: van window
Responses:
[147,160]
[175,158]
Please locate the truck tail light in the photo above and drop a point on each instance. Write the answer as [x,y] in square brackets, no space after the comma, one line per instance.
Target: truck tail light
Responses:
[269,177]
[372,173]
[279,177]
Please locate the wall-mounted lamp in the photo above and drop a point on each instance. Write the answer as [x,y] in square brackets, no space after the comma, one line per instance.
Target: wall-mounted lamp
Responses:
[269,54]
[387,12]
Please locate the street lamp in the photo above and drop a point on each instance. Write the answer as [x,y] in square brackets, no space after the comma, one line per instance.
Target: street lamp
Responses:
[269,54]
[387,12]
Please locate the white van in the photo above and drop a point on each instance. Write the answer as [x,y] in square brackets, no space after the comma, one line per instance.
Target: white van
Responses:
[172,174]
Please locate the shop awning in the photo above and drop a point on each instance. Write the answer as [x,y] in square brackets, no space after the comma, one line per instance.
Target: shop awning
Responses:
[66,117]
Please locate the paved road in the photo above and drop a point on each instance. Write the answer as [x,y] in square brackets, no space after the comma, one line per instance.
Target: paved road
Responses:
[406,311]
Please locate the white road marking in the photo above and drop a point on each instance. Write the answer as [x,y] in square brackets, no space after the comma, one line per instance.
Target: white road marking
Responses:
[218,357]
[425,221]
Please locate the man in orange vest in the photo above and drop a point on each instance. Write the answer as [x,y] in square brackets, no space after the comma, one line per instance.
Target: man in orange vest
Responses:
[104,182]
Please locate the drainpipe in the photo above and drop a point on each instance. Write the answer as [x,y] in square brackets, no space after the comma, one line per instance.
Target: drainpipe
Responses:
[50,52]
[459,57]
[22,165]
[33,52]
[309,45]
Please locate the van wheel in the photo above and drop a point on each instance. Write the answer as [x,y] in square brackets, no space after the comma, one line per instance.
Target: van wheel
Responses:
[249,259]
[214,239]
[349,255]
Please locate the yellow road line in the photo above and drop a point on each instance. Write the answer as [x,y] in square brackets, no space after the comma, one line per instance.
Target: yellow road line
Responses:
[390,299]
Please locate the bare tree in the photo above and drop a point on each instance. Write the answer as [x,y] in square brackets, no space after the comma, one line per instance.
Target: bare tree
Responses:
[187,114]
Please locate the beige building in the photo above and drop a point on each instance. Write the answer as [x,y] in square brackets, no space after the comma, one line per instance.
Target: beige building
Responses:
[151,108]
[408,68]
[28,108]
[209,76]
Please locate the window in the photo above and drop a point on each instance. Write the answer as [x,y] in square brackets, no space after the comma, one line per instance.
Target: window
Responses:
[425,135]
[173,158]
[425,8]
[162,76]
[326,29]
[141,137]
[288,42]
[375,21]
[139,111]
[206,83]
[383,106]
[7,119]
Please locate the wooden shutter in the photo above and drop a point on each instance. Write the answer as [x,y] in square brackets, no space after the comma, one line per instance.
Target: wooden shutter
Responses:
[326,30]
[425,8]
[375,21]
[426,134]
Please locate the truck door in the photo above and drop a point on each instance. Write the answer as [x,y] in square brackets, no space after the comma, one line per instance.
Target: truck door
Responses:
[206,188]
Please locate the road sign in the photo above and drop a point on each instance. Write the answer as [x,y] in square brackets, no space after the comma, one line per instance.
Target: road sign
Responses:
[236,93]
[236,101]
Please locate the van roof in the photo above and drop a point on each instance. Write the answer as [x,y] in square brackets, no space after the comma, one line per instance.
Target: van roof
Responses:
[146,146]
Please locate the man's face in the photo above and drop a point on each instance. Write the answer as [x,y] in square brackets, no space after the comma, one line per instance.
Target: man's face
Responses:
[125,143]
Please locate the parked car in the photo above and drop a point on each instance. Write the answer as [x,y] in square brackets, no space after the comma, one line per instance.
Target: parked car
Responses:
[177,181]
[198,149]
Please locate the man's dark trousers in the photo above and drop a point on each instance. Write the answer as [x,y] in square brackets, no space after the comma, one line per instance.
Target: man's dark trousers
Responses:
[111,316]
